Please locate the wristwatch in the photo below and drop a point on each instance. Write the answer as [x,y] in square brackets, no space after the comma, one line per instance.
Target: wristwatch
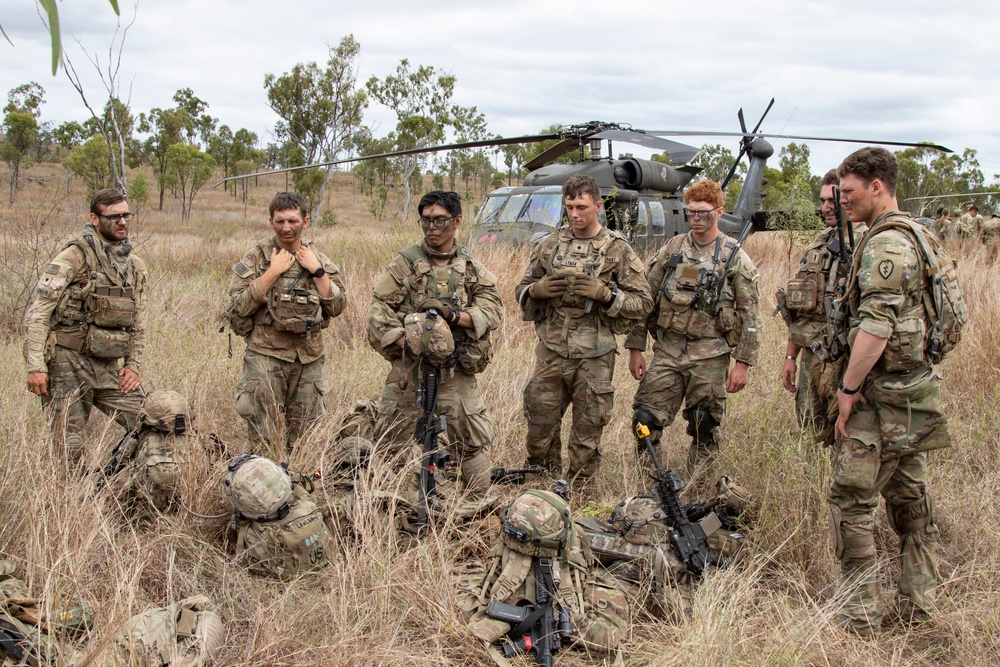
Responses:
[318,273]
[613,288]
[849,392]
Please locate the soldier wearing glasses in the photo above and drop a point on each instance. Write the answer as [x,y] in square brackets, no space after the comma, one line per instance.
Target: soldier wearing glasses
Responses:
[692,338]
[442,275]
[89,313]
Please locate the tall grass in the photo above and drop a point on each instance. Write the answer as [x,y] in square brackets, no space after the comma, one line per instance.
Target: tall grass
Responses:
[385,601]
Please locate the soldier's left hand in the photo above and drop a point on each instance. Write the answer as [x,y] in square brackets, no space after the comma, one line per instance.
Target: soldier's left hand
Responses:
[588,287]
[443,310]
[129,382]
[846,403]
[737,378]
[307,259]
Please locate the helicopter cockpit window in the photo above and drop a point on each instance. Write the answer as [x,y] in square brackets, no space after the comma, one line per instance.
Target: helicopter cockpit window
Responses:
[491,208]
[512,209]
[656,213]
[543,209]
[641,219]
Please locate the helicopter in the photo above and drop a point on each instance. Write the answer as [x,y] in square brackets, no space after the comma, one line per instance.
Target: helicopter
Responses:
[642,198]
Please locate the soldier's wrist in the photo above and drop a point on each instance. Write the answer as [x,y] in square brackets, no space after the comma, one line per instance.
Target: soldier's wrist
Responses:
[789,357]
[849,392]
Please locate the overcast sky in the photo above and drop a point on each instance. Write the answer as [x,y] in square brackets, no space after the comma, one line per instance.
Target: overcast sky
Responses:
[917,70]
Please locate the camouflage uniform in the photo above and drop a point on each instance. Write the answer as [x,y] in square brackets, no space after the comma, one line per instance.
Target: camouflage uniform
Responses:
[575,355]
[971,226]
[88,312]
[807,299]
[886,452]
[691,350]
[283,364]
[991,228]
[463,284]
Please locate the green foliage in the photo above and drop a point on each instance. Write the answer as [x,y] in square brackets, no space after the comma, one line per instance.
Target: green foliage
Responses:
[328,219]
[925,172]
[377,202]
[715,161]
[138,192]
[69,134]
[187,170]
[91,162]
[21,129]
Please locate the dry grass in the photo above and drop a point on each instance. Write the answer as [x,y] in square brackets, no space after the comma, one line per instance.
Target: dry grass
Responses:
[383,603]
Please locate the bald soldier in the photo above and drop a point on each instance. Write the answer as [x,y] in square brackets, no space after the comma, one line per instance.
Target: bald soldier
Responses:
[89,314]
[889,404]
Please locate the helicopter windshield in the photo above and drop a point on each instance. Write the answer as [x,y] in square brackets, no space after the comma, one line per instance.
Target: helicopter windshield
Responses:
[543,209]
[491,208]
[513,207]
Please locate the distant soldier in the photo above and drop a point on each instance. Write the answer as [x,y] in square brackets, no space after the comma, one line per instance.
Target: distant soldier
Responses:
[89,312]
[889,399]
[972,222]
[283,293]
[807,300]
[940,218]
[705,312]
[584,284]
[991,228]
[439,275]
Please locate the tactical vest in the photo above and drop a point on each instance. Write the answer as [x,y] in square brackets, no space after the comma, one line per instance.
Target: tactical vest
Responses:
[452,285]
[99,303]
[809,294]
[593,257]
[929,324]
[687,290]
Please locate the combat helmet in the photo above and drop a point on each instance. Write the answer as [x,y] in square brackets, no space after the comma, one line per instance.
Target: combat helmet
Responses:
[428,335]
[257,488]
[537,523]
[167,411]
[641,520]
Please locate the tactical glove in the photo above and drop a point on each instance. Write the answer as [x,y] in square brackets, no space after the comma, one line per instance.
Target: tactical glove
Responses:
[549,287]
[444,311]
[588,287]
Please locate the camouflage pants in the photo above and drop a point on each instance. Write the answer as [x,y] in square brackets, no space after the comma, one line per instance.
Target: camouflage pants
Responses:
[555,383]
[700,385]
[77,384]
[860,476]
[279,400]
[469,429]
[813,396]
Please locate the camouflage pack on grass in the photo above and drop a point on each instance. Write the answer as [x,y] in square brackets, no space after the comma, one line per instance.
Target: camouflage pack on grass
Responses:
[279,529]
[538,530]
[163,446]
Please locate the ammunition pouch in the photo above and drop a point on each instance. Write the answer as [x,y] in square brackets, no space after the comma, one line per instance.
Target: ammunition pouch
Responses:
[781,306]
[297,311]
[106,343]
[473,355]
[534,310]
[804,295]
[112,307]
[904,350]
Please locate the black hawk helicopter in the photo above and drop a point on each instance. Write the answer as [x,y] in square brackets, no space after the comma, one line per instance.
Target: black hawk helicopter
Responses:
[642,198]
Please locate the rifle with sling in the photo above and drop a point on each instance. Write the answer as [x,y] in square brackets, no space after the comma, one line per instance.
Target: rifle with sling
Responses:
[121,456]
[513,476]
[429,426]
[833,345]
[711,300]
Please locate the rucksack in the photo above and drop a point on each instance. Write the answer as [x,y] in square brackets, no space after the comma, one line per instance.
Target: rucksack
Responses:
[279,529]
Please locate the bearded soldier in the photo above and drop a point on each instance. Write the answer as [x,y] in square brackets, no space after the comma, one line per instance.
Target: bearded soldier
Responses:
[282,295]
[439,275]
[583,285]
[706,312]
[89,313]
[889,398]
[805,303]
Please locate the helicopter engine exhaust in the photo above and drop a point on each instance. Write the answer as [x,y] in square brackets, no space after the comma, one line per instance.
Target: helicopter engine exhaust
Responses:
[639,174]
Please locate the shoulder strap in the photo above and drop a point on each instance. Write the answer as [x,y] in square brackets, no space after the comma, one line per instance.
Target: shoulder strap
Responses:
[893,221]
[413,253]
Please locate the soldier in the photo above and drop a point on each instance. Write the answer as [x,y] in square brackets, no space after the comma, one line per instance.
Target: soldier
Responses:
[583,285]
[704,314]
[283,293]
[808,299]
[940,220]
[971,222]
[89,312]
[889,403]
[439,275]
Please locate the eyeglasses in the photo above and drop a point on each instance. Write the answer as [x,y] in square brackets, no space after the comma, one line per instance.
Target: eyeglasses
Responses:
[439,222]
[701,214]
[115,218]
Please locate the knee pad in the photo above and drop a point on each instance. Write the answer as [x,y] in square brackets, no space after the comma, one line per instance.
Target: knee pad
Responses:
[915,517]
[853,536]
[701,425]
[640,416]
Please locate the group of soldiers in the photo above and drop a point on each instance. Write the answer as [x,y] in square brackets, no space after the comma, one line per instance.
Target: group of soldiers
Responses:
[435,307]
[958,226]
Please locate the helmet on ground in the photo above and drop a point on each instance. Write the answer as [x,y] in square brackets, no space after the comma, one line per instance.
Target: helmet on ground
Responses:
[537,523]
[641,520]
[428,335]
[258,488]
[167,411]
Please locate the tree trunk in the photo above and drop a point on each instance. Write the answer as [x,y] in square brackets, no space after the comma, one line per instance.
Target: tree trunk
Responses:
[318,211]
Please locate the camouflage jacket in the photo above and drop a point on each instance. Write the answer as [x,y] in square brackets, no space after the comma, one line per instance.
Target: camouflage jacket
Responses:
[576,328]
[991,228]
[815,287]
[970,225]
[64,306]
[887,298]
[411,278]
[248,301]
[675,324]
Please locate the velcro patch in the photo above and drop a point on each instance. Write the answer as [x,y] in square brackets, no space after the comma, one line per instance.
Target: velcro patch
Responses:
[242,270]
[52,268]
[885,268]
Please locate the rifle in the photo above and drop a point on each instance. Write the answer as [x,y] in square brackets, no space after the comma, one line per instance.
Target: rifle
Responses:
[513,476]
[429,426]
[833,345]
[121,456]
[689,541]
[710,295]
[535,626]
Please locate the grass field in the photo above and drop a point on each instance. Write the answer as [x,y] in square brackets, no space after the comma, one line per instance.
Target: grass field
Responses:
[380,604]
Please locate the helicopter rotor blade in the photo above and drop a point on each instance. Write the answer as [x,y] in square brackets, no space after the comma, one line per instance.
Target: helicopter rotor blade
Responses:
[552,153]
[767,135]
[744,146]
[410,151]
[762,116]
[677,152]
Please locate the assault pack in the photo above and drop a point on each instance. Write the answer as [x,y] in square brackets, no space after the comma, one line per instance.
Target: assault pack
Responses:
[279,529]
